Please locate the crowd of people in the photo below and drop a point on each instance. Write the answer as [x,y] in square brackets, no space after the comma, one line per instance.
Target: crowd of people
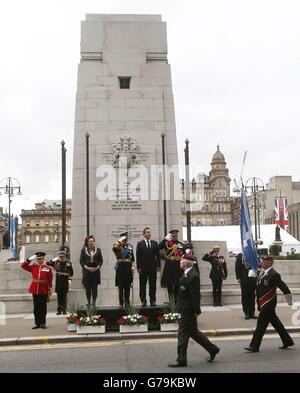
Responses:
[180,276]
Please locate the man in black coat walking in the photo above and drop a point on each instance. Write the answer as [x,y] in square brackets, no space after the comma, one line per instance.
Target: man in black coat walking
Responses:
[248,286]
[188,305]
[268,282]
[148,265]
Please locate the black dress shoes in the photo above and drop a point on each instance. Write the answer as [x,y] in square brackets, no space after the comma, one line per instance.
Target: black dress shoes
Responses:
[213,355]
[253,317]
[249,349]
[43,326]
[144,304]
[247,317]
[58,313]
[153,304]
[177,364]
[36,327]
[285,346]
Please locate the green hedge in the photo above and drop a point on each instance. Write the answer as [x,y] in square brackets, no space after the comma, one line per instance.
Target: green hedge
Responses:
[287,257]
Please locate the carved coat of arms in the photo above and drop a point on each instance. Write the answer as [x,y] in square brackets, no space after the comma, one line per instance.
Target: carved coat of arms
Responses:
[125,152]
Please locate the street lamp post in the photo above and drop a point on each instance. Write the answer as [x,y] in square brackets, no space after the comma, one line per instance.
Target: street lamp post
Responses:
[187,191]
[87,169]
[163,135]
[256,185]
[12,184]
[63,196]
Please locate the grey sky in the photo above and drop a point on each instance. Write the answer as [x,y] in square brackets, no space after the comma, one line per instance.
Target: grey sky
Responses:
[235,70]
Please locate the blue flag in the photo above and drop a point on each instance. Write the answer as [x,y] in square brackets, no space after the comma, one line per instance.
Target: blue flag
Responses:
[248,246]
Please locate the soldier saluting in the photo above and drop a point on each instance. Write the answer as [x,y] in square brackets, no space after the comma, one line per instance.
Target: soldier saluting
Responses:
[124,267]
[64,272]
[218,273]
[171,250]
[40,287]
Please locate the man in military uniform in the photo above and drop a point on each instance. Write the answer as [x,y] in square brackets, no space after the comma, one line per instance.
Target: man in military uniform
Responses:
[267,283]
[171,250]
[218,273]
[188,305]
[41,286]
[248,286]
[64,272]
[124,267]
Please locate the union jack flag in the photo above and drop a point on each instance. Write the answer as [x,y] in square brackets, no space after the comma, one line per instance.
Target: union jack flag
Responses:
[282,213]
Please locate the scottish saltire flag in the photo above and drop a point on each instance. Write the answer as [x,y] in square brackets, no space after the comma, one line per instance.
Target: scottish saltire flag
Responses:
[13,237]
[248,246]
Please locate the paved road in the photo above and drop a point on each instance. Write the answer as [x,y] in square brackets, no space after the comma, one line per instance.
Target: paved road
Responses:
[140,356]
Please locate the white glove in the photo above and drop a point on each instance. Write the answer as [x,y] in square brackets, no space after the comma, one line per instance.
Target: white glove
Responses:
[168,237]
[122,239]
[252,273]
[69,284]
[188,251]
[31,258]
[288,298]
[54,259]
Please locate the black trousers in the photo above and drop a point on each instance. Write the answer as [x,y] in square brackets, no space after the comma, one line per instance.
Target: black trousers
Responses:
[248,287]
[217,290]
[173,290]
[62,301]
[40,309]
[91,291]
[144,278]
[264,318]
[188,328]
[124,293]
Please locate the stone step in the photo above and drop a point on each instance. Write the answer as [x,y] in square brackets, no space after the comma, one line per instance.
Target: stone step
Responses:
[5,255]
[22,302]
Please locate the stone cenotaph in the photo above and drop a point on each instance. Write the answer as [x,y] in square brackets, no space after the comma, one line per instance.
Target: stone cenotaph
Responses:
[125,103]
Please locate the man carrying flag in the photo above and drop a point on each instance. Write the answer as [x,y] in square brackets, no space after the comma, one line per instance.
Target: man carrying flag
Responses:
[267,283]
[248,247]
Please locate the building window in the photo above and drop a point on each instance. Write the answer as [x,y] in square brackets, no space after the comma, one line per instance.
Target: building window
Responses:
[220,208]
[27,239]
[37,238]
[46,237]
[46,223]
[124,82]
[28,224]
[37,223]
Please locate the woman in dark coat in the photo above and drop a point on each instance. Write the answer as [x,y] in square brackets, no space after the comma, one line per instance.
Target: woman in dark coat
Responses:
[91,261]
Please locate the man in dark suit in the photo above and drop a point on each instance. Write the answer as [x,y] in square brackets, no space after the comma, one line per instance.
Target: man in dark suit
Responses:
[188,305]
[268,281]
[148,265]
[248,286]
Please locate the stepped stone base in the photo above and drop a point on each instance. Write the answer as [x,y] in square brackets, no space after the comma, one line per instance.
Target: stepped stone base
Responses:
[14,283]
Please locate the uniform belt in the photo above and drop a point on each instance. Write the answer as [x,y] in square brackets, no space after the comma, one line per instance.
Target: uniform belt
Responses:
[172,259]
[35,280]
[62,274]
[124,260]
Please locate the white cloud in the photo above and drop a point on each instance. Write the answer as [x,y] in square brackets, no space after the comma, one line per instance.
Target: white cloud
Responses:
[235,70]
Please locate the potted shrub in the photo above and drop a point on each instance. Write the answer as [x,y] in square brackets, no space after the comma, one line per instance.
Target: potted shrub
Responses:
[169,321]
[72,321]
[93,324]
[133,323]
